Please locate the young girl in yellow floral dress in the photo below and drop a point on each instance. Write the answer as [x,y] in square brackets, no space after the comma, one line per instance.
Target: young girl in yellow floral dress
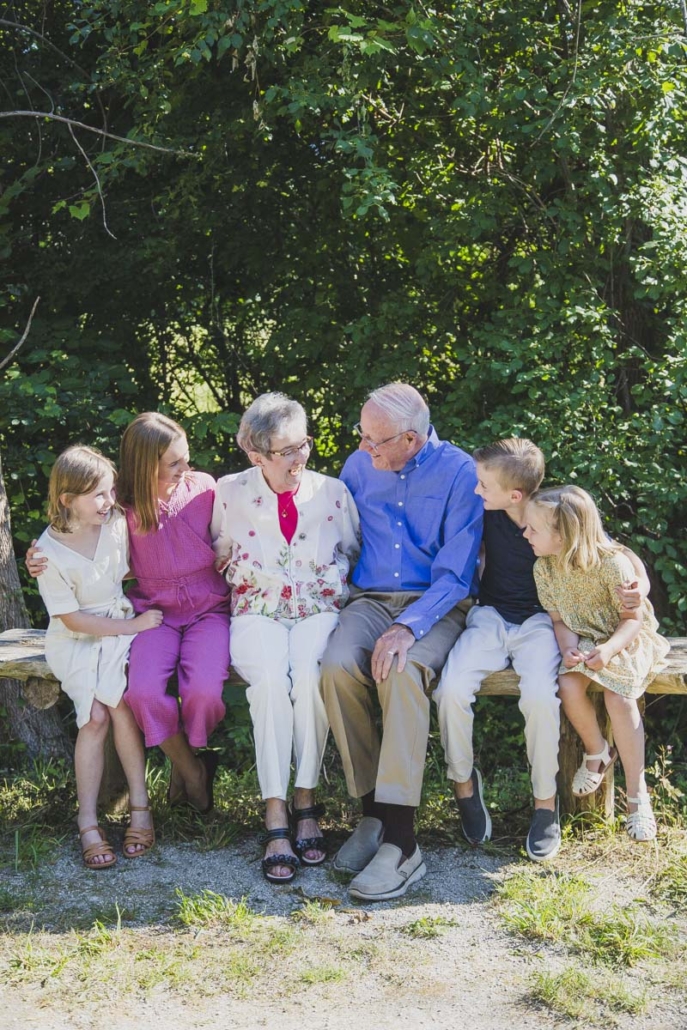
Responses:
[577,572]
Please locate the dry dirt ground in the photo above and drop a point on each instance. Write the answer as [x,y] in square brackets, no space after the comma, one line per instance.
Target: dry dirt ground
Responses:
[440,957]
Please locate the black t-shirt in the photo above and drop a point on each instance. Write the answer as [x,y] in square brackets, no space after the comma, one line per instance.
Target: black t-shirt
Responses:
[508,581]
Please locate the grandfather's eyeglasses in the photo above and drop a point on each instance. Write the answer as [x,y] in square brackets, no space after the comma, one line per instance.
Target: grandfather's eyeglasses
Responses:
[357,428]
[291,452]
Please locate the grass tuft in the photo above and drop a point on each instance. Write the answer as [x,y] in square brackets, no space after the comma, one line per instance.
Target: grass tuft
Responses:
[322,975]
[211,909]
[575,994]
[427,927]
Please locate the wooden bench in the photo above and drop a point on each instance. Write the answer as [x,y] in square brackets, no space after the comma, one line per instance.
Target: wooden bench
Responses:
[22,657]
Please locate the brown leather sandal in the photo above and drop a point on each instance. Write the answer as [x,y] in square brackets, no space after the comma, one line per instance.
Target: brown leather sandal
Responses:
[101,847]
[135,835]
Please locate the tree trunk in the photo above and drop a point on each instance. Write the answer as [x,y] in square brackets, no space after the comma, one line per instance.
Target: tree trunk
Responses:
[40,731]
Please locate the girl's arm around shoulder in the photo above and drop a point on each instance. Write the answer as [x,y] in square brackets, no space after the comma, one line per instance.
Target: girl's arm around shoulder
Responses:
[224,510]
[102,626]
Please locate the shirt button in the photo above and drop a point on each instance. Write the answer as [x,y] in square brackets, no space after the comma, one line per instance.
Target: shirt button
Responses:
[397,546]
[399,523]
[421,632]
[403,477]
[400,504]
[396,574]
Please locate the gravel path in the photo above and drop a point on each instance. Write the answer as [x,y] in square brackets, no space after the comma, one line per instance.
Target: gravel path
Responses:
[471,975]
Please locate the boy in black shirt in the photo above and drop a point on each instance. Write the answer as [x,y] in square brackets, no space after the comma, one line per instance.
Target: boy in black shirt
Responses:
[506,625]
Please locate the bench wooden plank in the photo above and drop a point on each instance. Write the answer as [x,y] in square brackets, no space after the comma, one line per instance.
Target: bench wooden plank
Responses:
[22,655]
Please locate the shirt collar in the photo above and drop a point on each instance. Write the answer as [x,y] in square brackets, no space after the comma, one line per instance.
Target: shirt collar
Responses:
[425,452]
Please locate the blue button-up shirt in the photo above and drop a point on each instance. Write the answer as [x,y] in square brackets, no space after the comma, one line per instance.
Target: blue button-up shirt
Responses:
[421,529]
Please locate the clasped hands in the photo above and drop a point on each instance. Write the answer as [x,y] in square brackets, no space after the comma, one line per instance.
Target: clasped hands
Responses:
[597,658]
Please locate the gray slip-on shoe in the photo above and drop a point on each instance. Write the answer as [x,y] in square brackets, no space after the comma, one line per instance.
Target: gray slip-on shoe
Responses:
[361,847]
[474,814]
[544,837]
[388,875]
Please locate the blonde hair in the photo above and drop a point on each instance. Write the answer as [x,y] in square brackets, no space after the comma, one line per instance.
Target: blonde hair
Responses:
[518,463]
[144,441]
[574,516]
[77,471]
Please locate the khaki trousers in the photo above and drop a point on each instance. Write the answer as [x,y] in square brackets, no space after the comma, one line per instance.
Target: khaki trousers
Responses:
[393,768]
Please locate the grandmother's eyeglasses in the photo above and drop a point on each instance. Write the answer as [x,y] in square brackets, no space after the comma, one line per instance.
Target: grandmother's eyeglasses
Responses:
[291,452]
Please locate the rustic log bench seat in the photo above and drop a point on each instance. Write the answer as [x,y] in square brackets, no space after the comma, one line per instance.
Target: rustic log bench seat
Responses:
[22,657]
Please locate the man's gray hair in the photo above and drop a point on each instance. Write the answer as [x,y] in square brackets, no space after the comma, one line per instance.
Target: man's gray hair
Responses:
[403,405]
[268,416]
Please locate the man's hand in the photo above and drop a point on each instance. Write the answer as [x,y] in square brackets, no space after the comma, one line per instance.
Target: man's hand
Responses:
[395,642]
[35,565]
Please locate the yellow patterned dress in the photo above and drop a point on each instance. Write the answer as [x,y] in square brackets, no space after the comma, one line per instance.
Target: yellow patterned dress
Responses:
[589,606]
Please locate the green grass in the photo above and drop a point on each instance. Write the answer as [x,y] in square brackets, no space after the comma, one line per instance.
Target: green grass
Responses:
[579,996]
[427,927]
[322,975]
[560,908]
[211,909]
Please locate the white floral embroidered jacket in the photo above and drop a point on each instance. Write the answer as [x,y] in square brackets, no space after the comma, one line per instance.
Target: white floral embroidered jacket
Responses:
[270,577]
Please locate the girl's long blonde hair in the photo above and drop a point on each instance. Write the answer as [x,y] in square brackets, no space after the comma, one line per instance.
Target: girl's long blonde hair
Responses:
[574,516]
[78,470]
[144,442]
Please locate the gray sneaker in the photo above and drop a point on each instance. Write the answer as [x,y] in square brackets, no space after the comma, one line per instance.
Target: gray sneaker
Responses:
[361,847]
[474,816]
[544,839]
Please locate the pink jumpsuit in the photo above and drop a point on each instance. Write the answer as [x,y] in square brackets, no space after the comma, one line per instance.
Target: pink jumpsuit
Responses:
[174,570]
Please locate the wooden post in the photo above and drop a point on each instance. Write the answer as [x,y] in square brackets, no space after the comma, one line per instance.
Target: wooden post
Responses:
[570,758]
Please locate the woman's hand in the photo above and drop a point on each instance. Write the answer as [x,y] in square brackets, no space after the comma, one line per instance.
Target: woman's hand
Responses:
[222,562]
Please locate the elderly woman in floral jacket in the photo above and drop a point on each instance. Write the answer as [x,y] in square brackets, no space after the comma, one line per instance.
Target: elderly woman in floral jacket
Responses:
[285,538]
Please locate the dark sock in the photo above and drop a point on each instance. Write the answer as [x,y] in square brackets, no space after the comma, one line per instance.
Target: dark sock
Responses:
[372,807]
[398,828]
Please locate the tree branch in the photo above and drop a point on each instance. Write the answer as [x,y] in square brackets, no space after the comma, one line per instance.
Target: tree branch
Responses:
[91,128]
[14,350]
[97,182]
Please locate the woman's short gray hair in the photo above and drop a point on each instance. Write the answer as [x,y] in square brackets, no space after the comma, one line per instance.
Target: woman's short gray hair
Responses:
[267,417]
[403,405]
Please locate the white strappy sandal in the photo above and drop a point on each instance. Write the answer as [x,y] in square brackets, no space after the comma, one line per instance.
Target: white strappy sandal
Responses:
[641,824]
[585,781]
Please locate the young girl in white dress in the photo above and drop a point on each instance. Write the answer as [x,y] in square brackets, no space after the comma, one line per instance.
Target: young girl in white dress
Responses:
[577,573]
[89,636]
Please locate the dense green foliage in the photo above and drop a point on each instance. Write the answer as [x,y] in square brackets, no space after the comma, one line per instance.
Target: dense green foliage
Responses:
[487,200]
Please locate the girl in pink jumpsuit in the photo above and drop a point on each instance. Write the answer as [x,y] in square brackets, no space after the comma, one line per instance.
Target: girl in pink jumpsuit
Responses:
[168,510]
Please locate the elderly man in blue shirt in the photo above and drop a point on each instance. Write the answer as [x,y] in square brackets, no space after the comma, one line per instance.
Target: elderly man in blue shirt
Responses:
[421,526]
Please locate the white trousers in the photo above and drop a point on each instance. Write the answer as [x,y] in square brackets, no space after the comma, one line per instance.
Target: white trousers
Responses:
[280,661]
[487,645]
